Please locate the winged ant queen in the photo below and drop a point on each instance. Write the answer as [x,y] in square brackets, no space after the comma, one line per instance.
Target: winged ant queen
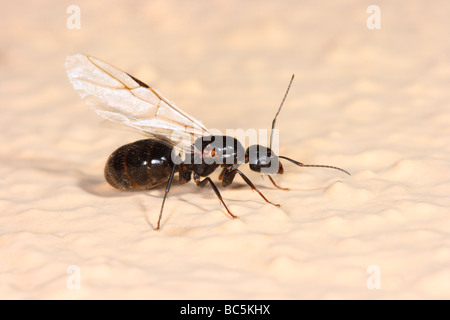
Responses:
[176,143]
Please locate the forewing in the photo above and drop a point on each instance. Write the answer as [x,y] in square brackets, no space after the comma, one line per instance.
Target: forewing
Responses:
[121,98]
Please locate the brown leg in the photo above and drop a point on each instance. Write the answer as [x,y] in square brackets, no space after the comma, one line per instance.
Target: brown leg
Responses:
[169,183]
[273,182]
[203,182]
[222,173]
[251,185]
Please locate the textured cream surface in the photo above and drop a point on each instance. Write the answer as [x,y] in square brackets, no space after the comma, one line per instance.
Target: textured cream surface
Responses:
[375,102]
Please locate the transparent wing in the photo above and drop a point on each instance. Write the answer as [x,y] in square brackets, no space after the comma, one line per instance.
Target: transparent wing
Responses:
[121,98]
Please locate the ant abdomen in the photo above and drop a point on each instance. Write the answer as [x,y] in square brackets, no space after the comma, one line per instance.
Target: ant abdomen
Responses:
[140,165]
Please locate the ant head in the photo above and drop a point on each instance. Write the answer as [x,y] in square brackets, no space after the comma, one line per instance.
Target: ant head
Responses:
[262,159]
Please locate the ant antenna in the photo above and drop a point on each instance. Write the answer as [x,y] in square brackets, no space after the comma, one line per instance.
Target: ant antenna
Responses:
[282,102]
[313,165]
[289,159]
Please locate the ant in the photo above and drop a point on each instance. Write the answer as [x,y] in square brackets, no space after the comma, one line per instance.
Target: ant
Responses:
[145,164]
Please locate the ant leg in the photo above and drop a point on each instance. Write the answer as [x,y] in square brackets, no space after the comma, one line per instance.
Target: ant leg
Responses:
[202,183]
[169,183]
[273,182]
[251,185]
[184,173]
[222,173]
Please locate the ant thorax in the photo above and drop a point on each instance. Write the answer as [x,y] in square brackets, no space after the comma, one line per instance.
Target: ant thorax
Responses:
[210,152]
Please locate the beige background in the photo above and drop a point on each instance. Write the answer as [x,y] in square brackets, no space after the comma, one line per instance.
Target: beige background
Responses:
[375,102]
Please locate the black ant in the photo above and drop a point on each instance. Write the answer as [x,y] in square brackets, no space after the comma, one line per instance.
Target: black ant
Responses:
[148,163]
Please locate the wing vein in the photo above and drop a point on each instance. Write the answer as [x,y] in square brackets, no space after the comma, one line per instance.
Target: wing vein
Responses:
[156,93]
